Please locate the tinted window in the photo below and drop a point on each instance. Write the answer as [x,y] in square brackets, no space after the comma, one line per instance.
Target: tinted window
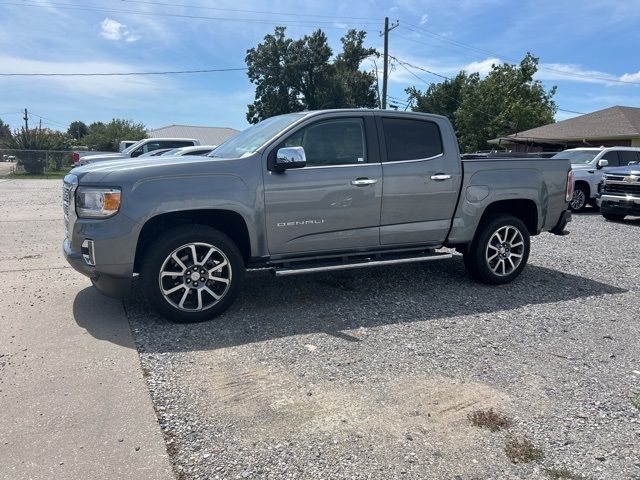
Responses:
[411,139]
[198,152]
[151,146]
[627,156]
[612,158]
[334,142]
[175,144]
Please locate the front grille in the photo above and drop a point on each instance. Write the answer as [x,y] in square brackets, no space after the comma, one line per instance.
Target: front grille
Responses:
[622,188]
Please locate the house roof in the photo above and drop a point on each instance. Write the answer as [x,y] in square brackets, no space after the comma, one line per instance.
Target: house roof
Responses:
[206,135]
[613,122]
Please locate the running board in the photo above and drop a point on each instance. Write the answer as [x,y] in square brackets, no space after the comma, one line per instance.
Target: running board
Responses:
[283,272]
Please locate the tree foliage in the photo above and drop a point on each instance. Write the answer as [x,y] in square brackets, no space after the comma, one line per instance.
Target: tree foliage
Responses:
[294,75]
[78,129]
[506,101]
[5,132]
[36,140]
[107,136]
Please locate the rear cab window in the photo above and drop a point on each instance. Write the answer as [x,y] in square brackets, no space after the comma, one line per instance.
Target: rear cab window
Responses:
[411,139]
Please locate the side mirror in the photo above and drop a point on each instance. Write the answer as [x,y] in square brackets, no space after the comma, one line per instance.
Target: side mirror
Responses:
[603,162]
[290,157]
[633,162]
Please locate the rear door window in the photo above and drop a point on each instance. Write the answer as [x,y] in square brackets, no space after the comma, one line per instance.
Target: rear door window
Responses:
[408,139]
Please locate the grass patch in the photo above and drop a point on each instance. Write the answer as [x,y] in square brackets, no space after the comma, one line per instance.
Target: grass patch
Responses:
[490,419]
[521,450]
[37,176]
[562,474]
[636,401]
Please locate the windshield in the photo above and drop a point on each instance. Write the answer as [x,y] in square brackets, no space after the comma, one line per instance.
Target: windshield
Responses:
[132,147]
[168,153]
[578,157]
[251,139]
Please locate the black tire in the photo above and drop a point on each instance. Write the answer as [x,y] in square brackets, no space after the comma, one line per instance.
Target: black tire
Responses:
[613,217]
[580,199]
[476,259]
[205,238]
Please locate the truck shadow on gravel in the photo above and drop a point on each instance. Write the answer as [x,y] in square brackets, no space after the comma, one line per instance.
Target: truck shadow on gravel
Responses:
[334,303]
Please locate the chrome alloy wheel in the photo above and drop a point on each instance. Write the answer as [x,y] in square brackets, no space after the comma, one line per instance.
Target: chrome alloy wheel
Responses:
[578,200]
[195,277]
[505,250]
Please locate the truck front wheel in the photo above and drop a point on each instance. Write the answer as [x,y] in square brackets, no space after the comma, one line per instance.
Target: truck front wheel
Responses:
[499,251]
[192,273]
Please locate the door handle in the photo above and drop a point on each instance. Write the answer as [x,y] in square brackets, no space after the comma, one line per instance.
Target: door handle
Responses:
[440,177]
[363,182]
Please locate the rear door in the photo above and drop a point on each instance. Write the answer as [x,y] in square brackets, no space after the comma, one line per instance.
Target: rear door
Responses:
[422,175]
[334,202]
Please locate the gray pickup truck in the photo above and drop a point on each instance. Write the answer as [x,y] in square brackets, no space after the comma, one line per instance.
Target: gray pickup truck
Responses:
[306,192]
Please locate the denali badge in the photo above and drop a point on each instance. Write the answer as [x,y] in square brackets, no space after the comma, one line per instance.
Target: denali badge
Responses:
[299,222]
[631,179]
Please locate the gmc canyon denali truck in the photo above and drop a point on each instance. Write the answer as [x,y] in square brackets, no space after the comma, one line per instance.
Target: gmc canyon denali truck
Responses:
[306,192]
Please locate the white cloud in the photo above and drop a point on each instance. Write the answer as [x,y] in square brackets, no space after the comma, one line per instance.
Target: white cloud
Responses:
[483,67]
[114,30]
[631,77]
[424,19]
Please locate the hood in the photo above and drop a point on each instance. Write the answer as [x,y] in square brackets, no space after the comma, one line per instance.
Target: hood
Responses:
[628,170]
[130,170]
[103,155]
[582,166]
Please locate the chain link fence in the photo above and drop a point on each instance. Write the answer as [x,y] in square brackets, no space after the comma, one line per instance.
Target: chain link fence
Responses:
[35,161]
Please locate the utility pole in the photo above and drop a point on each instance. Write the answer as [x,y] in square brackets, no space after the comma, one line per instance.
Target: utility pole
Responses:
[26,119]
[385,68]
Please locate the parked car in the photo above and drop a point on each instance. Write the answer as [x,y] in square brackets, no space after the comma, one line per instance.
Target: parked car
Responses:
[588,166]
[620,192]
[190,151]
[302,193]
[124,144]
[143,146]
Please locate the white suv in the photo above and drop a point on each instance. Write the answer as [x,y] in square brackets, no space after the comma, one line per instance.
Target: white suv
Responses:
[589,164]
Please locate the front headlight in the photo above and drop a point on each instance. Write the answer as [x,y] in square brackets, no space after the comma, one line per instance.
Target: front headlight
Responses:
[92,202]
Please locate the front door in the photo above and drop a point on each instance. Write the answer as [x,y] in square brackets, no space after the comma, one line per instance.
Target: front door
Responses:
[421,181]
[334,202]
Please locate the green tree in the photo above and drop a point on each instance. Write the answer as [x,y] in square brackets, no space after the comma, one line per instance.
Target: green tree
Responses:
[78,129]
[107,136]
[5,132]
[442,98]
[506,101]
[294,75]
[42,148]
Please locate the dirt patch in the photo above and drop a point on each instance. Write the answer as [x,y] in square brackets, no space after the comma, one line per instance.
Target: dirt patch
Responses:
[268,404]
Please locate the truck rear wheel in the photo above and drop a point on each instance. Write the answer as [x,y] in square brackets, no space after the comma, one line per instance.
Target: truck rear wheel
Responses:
[499,251]
[192,273]
[579,200]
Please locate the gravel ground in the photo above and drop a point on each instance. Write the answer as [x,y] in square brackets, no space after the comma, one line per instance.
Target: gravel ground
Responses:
[373,373]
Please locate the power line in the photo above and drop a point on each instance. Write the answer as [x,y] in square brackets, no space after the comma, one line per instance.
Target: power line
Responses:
[72,6]
[169,72]
[49,120]
[417,29]
[291,14]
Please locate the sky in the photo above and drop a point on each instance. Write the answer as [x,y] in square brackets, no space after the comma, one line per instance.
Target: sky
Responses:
[588,49]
